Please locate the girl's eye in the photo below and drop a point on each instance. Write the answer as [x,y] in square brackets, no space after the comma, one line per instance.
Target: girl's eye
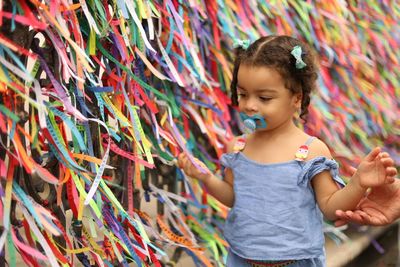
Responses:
[264,99]
[241,95]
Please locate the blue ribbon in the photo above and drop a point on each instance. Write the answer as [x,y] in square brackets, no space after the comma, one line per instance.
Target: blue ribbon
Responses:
[296,52]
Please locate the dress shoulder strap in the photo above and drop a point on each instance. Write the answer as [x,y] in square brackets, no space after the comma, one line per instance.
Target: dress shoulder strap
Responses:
[309,140]
[302,152]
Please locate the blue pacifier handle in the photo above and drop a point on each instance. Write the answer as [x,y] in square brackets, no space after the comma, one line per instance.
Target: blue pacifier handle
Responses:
[253,122]
[250,124]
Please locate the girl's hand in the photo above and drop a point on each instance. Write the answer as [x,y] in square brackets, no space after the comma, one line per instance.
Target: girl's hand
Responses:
[376,169]
[191,170]
[381,206]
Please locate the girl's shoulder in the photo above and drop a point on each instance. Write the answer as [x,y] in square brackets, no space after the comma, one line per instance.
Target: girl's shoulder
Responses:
[317,148]
[309,147]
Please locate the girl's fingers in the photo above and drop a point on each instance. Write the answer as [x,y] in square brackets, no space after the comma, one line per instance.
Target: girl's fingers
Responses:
[391,171]
[387,162]
[373,154]
[384,155]
[390,179]
[181,160]
[188,164]
[182,157]
[183,163]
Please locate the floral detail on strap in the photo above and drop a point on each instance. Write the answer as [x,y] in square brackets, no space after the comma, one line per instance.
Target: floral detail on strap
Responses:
[302,153]
[239,144]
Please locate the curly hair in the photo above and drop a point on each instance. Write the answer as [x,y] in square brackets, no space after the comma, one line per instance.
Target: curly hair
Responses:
[275,52]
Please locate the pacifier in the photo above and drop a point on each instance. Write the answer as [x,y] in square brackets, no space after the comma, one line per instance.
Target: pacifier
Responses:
[253,122]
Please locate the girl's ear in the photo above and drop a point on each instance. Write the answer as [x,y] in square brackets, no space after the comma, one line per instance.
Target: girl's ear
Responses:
[297,100]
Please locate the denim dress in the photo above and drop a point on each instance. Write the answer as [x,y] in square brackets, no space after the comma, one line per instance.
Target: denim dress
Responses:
[275,216]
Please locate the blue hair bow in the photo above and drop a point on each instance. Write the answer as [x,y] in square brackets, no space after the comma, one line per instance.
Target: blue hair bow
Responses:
[241,43]
[296,52]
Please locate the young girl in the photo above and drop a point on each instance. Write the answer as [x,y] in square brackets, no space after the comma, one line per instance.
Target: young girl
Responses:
[280,181]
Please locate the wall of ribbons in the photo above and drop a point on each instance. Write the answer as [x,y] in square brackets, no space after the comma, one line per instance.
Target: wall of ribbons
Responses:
[97,98]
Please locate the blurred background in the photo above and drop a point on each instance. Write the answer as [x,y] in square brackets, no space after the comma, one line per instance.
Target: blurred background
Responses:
[97,98]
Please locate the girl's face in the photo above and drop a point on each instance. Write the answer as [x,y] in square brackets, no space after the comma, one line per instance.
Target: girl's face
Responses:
[262,91]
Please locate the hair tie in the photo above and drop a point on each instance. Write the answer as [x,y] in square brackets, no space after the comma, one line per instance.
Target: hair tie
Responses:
[296,52]
[241,43]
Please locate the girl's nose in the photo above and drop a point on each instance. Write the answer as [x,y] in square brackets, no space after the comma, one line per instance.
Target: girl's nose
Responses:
[251,106]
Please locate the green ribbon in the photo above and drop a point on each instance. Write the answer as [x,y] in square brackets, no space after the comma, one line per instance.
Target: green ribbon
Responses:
[241,43]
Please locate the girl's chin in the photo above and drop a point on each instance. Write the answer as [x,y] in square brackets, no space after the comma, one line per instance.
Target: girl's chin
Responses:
[260,131]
